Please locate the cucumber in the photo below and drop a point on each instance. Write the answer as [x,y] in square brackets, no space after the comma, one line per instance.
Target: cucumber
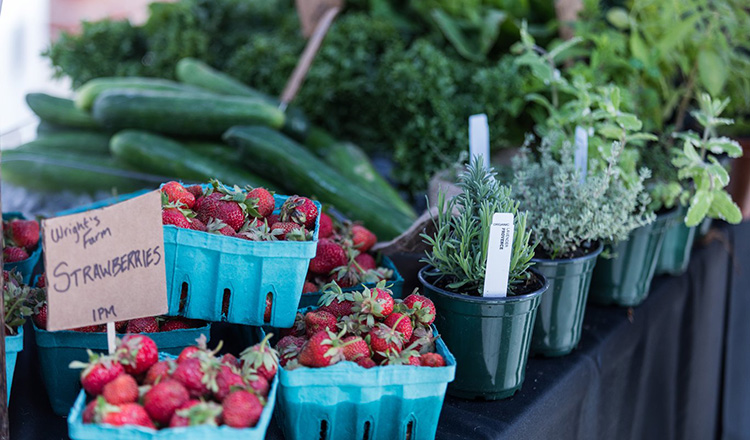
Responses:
[87,93]
[182,114]
[355,165]
[77,142]
[159,155]
[296,169]
[77,172]
[200,74]
[59,111]
[221,152]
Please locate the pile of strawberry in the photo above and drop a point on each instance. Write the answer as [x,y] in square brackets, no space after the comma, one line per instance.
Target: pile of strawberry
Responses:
[151,324]
[233,212]
[368,327]
[132,387]
[343,257]
[21,237]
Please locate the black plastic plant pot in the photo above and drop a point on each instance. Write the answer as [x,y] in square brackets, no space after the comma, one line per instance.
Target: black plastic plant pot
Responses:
[491,336]
[559,318]
[625,279]
[677,247]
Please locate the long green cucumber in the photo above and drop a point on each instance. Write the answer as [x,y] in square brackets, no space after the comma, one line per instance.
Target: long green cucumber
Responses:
[182,114]
[87,93]
[59,111]
[271,154]
[79,142]
[77,172]
[215,150]
[354,164]
[160,155]
[200,74]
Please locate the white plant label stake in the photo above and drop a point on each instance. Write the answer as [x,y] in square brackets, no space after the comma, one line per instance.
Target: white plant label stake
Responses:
[479,138]
[499,249]
[582,152]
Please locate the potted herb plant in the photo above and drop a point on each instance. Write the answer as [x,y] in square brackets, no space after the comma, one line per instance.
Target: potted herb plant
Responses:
[491,334]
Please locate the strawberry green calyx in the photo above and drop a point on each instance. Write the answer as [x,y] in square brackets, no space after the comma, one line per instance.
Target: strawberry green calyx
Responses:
[353,324]
[407,356]
[290,213]
[258,230]
[332,292]
[300,234]
[19,299]
[249,206]
[94,359]
[203,413]
[260,355]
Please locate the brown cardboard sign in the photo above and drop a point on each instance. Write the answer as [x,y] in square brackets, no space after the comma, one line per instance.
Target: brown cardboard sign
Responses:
[106,264]
[311,11]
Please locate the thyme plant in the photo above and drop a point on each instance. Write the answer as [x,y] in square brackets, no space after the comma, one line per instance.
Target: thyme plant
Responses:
[459,246]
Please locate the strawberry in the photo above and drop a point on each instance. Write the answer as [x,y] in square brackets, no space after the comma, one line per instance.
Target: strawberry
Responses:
[89,412]
[259,384]
[264,201]
[366,362]
[324,348]
[258,230]
[159,371]
[12,254]
[355,348]
[187,353]
[432,360]
[328,256]
[126,414]
[272,219]
[197,225]
[40,316]
[122,389]
[325,228]
[384,339]
[422,339]
[260,358]
[137,353]
[41,282]
[281,229]
[196,413]
[215,206]
[401,323]
[99,371]
[335,301]
[362,238]
[226,379]
[404,357]
[142,325]
[288,348]
[242,409]
[196,191]
[300,210]
[176,193]
[216,226]
[197,375]
[354,324]
[199,350]
[365,262]
[121,326]
[229,360]
[173,216]
[23,233]
[309,287]
[373,303]
[91,329]
[317,320]
[163,399]
[179,324]
[298,328]
[422,308]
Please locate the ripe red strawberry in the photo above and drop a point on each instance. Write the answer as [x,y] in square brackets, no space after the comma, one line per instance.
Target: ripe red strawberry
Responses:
[226,379]
[366,362]
[328,256]
[214,206]
[179,324]
[229,360]
[163,399]
[99,371]
[401,323]
[355,347]
[242,409]
[126,414]
[265,204]
[362,238]
[176,193]
[317,320]
[384,339]
[309,287]
[422,339]
[195,413]
[324,348]
[300,210]
[325,228]
[159,371]
[173,216]
[197,225]
[405,357]
[272,219]
[91,329]
[41,282]
[288,348]
[432,360]
[335,301]
[40,316]
[195,190]
[258,383]
[365,262]
[284,228]
[137,353]
[89,412]
[12,254]
[216,226]
[197,375]
[142,325]
[23,233]
[187,353]
[260,358]
[122,389]
[373,303]
[422,308]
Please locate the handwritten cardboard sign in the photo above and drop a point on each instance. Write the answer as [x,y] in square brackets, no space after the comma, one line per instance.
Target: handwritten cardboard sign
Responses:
[106,264]
[311,11]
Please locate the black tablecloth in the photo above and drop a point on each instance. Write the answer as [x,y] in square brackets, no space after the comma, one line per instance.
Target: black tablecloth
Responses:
[674,368]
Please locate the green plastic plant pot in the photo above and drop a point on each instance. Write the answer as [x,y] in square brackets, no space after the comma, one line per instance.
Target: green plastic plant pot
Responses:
[491,336]
[559,318]
[625,279]
[677,247]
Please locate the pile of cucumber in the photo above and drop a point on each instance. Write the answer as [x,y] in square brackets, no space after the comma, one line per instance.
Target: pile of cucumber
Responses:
[127,133]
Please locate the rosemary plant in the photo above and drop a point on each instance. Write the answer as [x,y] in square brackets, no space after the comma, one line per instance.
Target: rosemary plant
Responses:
[459,246]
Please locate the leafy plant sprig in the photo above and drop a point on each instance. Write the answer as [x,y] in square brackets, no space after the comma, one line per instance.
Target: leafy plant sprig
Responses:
[17,298]
[459,246]
[696,161]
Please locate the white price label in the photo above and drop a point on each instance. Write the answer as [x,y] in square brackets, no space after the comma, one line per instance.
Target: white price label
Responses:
[499,249]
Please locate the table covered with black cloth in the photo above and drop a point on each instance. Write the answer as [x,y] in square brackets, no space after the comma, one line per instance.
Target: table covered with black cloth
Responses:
[676,367]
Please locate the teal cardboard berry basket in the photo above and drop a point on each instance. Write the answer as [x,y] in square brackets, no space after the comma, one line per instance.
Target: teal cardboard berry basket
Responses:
[396,284]
[349,402]
[216,278]
[58,349]
[24,267]
[77,430]
[13,346]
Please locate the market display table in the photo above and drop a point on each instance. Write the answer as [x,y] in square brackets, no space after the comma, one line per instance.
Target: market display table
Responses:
[673,368]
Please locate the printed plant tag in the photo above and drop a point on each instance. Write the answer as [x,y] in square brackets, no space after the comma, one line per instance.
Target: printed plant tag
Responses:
[105,265]
[479,138]
[582,152]
[311,11]
[499,249]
